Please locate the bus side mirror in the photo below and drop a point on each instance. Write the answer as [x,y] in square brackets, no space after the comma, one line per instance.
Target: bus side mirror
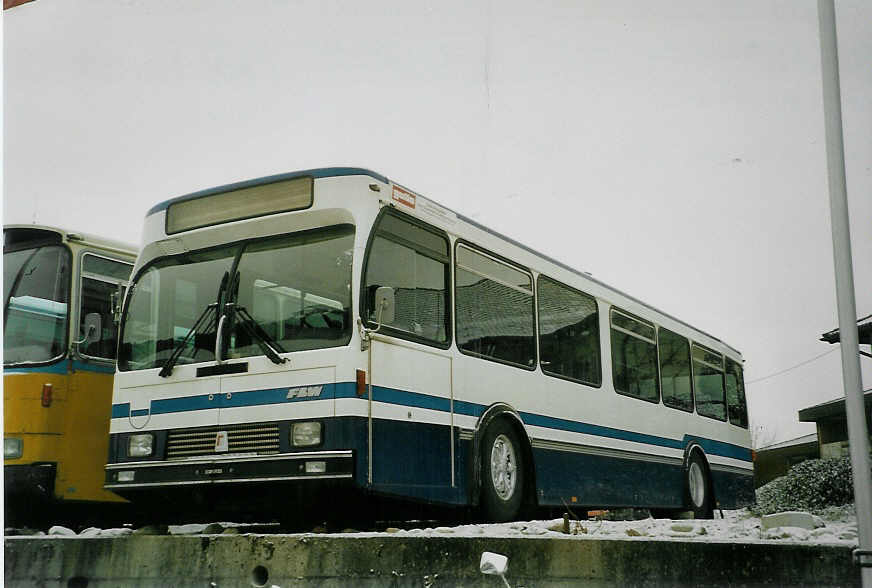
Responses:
[92,327]
[384,305]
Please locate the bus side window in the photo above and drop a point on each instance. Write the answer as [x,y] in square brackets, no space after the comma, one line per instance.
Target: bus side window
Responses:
[634,357]
[413,260]
[675,380]
[568,333]
[100,279]
[495,316]
[708,383]
[736,404]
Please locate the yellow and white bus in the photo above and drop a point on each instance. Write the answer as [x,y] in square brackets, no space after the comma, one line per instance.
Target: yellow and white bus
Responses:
[330,333]
[59,343]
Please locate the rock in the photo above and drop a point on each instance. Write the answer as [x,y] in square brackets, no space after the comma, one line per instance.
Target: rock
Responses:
[213,529]
[189,529]
[533,530]
[791,518]
[21,531]
[90,532]
[848,535]
[392,530]
[682,527]
[120,532]
[61,531]
[634,533]
[797,533]
[152,530]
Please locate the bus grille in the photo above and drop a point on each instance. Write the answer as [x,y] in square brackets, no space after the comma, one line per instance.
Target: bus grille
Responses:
[260,438]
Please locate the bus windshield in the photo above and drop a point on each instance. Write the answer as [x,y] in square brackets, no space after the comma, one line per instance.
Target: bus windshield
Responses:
[297,288]
[36,289]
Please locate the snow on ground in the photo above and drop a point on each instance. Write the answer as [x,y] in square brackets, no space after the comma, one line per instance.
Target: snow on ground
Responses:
[836,525]
[737,526]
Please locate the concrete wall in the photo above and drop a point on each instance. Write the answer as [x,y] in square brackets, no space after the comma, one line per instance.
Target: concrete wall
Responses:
[387,560]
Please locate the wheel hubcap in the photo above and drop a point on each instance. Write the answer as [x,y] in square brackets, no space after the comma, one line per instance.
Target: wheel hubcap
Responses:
[696,484]
[503,467]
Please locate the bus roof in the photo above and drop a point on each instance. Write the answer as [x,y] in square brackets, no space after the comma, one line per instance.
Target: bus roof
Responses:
[327,172]
[79,237]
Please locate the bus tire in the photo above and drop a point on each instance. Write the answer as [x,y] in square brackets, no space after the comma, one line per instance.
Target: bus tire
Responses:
[697,484]
[502,472]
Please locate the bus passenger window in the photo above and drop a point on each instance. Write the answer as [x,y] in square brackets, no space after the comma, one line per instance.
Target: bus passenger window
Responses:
[568,333]
[675,370]
[414,262]
[708,383]
[634,357]
[736,404]
[494,309]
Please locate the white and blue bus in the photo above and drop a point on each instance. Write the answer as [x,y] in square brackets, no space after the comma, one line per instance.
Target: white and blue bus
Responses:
[329,332]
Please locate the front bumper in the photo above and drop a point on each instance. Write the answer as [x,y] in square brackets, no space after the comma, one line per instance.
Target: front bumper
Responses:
[230,469]
[33,480]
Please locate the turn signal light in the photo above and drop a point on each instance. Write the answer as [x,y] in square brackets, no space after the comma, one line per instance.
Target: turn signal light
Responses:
[46,395]
[361,383]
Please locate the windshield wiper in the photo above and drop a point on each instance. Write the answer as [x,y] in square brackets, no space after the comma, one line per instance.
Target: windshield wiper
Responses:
[270,347]
[180,346]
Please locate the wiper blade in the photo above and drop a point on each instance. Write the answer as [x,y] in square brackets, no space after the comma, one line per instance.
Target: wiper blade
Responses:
[177,351]
[270,347]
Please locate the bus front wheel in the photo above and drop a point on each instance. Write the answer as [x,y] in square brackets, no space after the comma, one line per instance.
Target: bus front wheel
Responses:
[502,473]
[698,487]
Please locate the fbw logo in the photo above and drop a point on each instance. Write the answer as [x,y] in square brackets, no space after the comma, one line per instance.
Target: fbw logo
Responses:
[304,392]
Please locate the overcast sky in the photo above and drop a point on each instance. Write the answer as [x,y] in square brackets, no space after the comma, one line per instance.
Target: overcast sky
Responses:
[673,149]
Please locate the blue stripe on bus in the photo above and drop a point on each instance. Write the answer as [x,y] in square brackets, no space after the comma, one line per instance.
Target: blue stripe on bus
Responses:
[426,401]
[61,367]
[323,172]
[121,411]
[600,431]
[55,368]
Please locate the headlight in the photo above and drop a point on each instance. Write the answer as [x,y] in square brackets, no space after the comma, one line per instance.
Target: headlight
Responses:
[11,448]
[306,434]
[141,445]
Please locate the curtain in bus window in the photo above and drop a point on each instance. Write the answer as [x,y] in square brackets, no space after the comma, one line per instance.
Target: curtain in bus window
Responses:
[36,285]
[297,289]
[164,304]
[494,309]
[414,262]
[568,333]
[634,357]
[736,403]
[675,370]
[708,383]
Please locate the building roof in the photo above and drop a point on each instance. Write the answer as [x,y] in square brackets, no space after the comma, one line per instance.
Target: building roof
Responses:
[833,408]
[864,332]
[811,438]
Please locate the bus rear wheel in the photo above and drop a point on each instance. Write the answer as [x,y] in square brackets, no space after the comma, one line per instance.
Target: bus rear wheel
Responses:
[698,487]
[502,473]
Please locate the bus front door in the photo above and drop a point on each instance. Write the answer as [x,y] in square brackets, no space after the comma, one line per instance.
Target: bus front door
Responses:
[410,430]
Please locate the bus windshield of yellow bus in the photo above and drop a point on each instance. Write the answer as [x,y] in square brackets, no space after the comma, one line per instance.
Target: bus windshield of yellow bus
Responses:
[36,289]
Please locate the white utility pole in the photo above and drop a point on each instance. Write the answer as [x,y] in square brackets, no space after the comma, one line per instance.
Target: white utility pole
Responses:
[854,407]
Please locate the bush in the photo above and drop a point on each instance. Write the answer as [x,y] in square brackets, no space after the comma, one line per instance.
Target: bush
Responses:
[812,485]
